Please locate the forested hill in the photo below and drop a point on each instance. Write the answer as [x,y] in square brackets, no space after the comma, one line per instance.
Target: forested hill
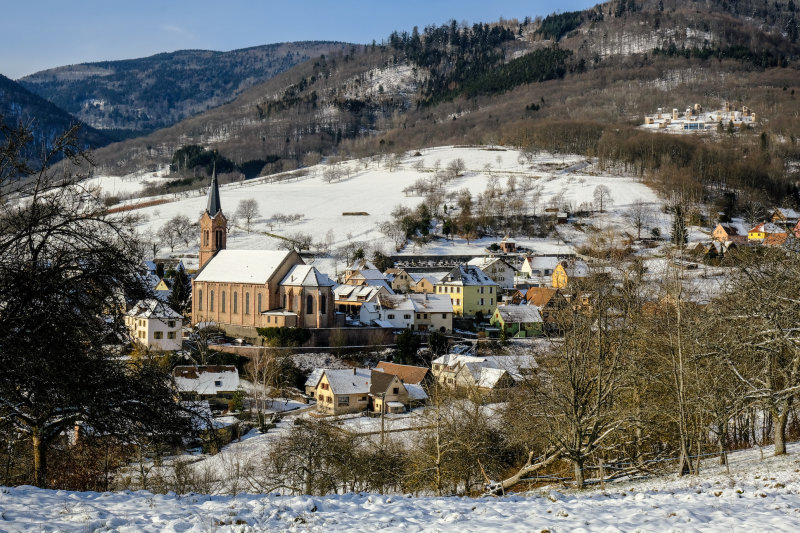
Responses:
[17,104]
[509,81]
[137,96]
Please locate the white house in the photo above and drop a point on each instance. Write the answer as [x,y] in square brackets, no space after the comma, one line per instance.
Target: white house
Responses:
[422,312]
[497,269]
[155,325]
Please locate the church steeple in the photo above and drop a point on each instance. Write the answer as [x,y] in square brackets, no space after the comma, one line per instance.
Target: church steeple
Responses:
[213,224]
[213,206]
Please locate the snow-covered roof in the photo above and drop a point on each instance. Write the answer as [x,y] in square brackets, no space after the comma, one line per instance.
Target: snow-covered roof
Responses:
[243,266]
[349,381]
[433,280]
[380,283]
[206,380]
[787,213]
[313,377]
[767,227]
[362,264]
[488,260]
[486,377]
[415,392]
[541,262]
[423,303]
[516,365]
[524,314]
[306,276]
[576,269]
[355,293]
[153,308]
[467,275]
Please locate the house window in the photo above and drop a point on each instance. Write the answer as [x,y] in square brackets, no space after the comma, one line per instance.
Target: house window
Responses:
[425,315]
[444,315]
[218,383]
[223,301]
[395,390]
[390,316]
[323,305]
[481,290]
[247,303]
[324,386]
[158,334]
[200,299]
[481,302]
[409,316]
[343,400]
[309,305]
[235,302]
[170,323]
[171,335]
[491,301]
[211,301]
[362,399]
[490,290]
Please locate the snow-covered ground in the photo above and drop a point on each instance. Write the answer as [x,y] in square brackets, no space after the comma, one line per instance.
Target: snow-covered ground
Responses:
[127,185]
[756,496]
[374,189]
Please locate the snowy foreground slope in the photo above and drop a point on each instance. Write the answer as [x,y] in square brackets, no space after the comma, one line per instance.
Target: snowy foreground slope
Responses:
[756,496]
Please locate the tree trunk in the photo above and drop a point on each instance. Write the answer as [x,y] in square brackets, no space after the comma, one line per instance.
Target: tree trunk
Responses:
[39,460]
[780,432]
[579,475]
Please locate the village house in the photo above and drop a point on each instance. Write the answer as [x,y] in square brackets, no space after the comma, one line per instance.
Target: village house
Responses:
[349,298]
[420,312]
[569,270]
[549,302]
[760,231]
[207,382]
[470,290]
[359,389]
[484,374]
[728,233]
[785,217]
[518,320]
[537,271]
[399,279]
[424,283]
[155,325]
[240,290]
[497,269]
[408,374]
[508,246]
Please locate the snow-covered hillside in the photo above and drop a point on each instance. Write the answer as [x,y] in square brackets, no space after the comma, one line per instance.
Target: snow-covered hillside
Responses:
[375,189]
[756,496]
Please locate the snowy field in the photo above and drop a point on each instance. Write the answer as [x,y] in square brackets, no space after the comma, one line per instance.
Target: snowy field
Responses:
[756,496]
[130,184]
[374,189]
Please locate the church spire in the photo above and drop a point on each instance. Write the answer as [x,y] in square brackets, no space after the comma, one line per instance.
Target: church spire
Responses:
[213,207]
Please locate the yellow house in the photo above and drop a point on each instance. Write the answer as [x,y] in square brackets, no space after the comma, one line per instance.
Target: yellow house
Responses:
[470,290]
[343,391]
[565,271]
[760,232]
[424,284]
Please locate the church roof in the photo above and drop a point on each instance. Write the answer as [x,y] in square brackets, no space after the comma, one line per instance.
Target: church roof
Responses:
[306,276]
[243,266]
[213,206]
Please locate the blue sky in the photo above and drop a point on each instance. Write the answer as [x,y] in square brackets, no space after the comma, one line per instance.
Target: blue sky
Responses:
[40,34]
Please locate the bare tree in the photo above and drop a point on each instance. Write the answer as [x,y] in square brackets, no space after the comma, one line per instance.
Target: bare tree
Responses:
[638,215]
[602,197]
[168,235]
[247,211]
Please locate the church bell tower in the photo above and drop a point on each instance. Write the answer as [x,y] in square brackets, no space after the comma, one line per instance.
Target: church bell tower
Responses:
[213,224]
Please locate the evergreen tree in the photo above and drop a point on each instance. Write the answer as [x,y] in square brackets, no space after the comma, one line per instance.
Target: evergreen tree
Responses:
[181,295]
[679,234]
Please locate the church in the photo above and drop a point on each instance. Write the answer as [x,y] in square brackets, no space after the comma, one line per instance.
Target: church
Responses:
[240,290]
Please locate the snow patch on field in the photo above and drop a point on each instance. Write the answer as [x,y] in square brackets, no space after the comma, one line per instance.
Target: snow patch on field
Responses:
[755,496]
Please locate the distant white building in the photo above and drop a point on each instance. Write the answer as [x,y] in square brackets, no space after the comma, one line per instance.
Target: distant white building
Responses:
[421,312]
[483,373]
[537,271]
[155,325]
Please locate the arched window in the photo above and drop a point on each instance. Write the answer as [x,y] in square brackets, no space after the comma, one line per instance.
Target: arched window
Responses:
[323,307]
[205,237]
[218,239]
[309,305]
[199,299]
[211,300]
[223,301]
[247,303]
[235,302]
